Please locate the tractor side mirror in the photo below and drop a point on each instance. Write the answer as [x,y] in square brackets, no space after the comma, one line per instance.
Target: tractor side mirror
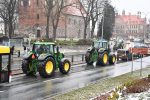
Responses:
[92,44]
[57,48]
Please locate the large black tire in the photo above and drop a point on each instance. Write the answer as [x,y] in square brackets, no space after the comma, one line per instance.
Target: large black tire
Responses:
[87,58]
[112,59]
[65,66]
[47,67]
[102,59]
[25,66]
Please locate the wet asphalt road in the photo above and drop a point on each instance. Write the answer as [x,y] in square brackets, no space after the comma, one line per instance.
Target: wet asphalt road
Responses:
[31,88]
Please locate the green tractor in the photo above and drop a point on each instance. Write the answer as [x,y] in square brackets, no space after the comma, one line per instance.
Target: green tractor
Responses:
[100,53]
[45,58]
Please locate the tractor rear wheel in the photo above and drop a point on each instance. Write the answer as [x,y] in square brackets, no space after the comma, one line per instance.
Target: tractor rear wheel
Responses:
[26,66]
[112,59]
[102,59]
[47,67]
[87,58]
[64,67]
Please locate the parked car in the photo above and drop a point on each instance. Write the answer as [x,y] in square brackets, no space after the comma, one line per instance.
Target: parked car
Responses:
[124,55]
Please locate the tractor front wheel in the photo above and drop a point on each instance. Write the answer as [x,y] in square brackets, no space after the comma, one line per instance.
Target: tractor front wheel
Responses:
[25,66]
[64,67]
[87,58]
[47,67]
[112,59]
[102,59]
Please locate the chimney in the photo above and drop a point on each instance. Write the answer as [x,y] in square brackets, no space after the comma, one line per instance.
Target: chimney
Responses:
[139,14]
[123,12]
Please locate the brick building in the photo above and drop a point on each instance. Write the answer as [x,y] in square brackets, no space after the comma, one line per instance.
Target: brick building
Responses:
[32,20]
[129,26]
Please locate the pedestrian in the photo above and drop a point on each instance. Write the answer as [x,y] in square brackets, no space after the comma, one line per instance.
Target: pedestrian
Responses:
[18,53]
[24,47]
[12,50]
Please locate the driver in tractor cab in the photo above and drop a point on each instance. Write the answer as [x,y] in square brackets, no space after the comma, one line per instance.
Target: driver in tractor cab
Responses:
[40,50]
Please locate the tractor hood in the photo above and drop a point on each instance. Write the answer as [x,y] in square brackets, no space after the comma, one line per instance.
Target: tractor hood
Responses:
[101,50]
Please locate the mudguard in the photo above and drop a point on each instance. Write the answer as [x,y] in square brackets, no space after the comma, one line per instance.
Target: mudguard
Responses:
[26,56]
[63,59]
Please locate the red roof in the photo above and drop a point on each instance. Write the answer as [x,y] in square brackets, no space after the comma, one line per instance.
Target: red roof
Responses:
[74,9]
[134,19]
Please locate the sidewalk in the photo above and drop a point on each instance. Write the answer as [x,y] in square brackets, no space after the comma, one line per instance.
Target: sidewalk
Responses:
[102,86]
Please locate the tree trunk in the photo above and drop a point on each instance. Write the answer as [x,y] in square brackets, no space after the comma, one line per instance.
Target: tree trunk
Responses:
[5,28]
[10,31]
[85,34]
[92,31]
[54,33]
[47,28]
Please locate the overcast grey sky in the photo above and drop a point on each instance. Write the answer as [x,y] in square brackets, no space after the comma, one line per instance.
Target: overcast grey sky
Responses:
[133,6]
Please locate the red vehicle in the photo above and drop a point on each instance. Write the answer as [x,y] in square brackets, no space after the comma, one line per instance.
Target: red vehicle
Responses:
[140,50]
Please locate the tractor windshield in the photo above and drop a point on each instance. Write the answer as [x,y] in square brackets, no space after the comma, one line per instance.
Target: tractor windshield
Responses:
[100,45]
[39,49]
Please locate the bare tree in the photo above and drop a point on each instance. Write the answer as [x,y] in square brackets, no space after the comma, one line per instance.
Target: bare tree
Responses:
[7,13]
[54,9]
[48,8]
[93,10]
[97,6]
[55,15]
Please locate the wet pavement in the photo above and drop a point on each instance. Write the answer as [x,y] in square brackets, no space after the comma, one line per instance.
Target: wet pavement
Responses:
[36,88]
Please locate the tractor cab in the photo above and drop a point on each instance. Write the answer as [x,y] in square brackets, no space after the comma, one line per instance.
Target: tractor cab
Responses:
[43,47]
[101,44]
[5,64]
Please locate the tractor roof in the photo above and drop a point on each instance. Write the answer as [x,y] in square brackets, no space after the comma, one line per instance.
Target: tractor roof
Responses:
[101,40]
[46,43]
[4,49]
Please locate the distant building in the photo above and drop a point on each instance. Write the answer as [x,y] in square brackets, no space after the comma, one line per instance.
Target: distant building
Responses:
[127,26]
[32,20]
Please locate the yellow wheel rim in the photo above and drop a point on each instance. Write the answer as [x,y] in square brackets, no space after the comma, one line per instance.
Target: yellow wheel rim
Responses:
[114,59]
[105,58]
[49,67]
[66,66]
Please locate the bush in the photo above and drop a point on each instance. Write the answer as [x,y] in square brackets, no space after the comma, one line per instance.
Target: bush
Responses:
[84,42]
[66,42]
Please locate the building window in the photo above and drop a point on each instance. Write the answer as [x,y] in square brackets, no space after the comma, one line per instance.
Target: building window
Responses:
[74,21]
[38,17]
[38,33]
[25,3]
[37,2]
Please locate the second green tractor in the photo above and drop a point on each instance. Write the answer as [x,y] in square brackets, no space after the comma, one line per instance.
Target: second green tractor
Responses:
[100,53]
[45,58]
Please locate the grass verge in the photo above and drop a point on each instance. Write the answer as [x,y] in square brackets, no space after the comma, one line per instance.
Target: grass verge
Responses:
[101,86]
